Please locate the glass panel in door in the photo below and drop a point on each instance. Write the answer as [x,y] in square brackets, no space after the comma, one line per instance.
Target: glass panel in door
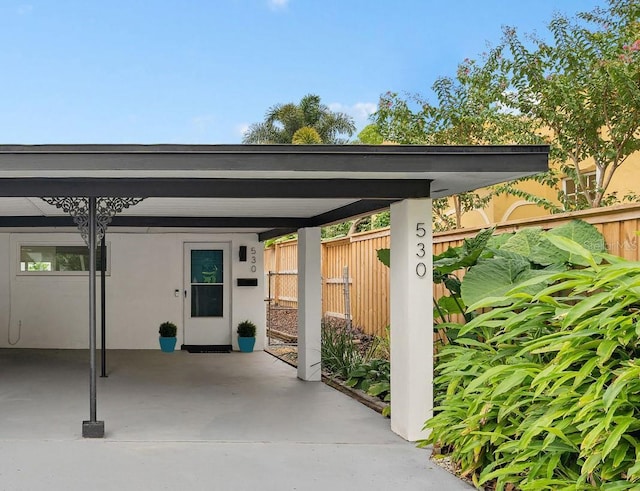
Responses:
[207,283]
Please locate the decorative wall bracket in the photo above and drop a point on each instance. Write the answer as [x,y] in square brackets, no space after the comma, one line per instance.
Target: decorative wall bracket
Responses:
[78,208]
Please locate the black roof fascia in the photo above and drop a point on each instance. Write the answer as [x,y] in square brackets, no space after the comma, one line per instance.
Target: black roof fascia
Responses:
[215,188]
[362,207]
[159,221]
[321,158]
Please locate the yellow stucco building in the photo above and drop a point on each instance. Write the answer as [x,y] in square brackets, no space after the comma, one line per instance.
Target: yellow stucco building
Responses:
[505,207]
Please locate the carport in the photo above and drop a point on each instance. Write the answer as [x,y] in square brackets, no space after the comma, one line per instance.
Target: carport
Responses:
[261,192]
[228,428]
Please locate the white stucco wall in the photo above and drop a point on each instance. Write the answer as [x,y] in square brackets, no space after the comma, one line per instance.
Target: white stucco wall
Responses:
[51,311]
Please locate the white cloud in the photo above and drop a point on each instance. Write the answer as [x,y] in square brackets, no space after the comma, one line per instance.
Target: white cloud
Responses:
[360,111]
[278,4]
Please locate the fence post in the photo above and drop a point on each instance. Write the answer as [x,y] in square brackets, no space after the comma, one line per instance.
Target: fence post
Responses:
[276,283]
[347,296]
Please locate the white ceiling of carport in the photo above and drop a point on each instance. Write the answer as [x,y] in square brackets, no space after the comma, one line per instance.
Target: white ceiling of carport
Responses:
[191,207]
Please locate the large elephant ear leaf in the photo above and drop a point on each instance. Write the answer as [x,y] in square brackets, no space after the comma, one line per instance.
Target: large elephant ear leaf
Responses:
[384,256]
[474,247]
[464,256]
[494,277]
[449,305]
[532,244]
[577,254]
[585,235]
[498,240]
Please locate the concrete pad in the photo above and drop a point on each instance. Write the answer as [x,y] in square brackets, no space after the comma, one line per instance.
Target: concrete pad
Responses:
[194,421]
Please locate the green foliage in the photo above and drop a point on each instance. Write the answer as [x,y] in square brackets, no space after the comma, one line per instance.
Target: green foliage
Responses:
[495,277]
[384,256]
[306,136]
[340,354]
[380,220]
[466,112]
[382,344]
[246,329]
[168,330]
[268,243]
[335,231]
[370,136]
[544,391]
[282,121]
[462,203]
[364,224]
[373,377]
[583,89]
[579,93]
[445,267]
[495,267]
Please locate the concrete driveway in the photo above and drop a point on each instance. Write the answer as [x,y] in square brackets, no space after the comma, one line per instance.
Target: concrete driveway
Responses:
[185,421]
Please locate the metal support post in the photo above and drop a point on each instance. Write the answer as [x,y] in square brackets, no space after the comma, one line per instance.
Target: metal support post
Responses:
[92,216]
[92,428]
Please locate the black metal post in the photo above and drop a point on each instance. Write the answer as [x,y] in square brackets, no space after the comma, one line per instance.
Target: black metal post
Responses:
[92,428]
[103,304]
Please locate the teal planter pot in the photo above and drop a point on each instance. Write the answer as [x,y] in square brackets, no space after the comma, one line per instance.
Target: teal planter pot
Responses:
[246,344]
[168,345]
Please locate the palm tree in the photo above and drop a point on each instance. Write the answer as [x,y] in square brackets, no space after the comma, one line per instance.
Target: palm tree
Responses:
[283,121]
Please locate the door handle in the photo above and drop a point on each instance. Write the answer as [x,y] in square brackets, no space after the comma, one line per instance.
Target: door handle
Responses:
[185,294]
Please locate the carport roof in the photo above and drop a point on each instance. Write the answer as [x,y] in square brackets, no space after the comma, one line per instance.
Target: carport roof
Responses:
[266,189]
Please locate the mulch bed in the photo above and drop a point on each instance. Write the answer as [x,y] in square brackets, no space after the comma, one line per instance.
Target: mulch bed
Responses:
[284,320]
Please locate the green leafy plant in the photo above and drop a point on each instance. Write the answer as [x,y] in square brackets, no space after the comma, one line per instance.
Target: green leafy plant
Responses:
[306,136]
[340,353]
[382,343]
[246,329]
[373,377]
[542,391]
[527,254]
[168,330]
[283,121]
[575,89]
[581,87]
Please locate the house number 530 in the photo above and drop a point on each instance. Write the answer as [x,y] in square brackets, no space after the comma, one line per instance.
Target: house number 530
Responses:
[421,267]
[253,259]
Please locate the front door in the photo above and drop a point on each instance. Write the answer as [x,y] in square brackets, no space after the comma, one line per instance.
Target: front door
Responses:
[207,320]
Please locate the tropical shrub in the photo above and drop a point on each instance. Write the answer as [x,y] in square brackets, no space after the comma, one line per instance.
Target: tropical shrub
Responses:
[168,330]
[246,329]
[542,391]
[346,359]
[339,351]
[373,377]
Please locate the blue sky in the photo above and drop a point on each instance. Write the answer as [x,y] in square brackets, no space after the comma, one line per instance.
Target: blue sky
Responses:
[198,71]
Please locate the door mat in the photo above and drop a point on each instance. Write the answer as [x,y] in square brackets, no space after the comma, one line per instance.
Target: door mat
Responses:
[206,348]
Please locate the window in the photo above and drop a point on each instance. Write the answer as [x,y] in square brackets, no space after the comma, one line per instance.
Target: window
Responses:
[572,193]
[207,285]
[56,259]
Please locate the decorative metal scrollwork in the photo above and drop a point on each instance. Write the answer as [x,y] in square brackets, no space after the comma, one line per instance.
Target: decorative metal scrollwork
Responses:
[106,209]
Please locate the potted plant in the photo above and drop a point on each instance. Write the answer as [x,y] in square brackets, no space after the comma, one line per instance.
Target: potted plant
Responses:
[168,331]
[246,336]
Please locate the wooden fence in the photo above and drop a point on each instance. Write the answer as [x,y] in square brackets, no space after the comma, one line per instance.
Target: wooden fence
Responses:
[369,279]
